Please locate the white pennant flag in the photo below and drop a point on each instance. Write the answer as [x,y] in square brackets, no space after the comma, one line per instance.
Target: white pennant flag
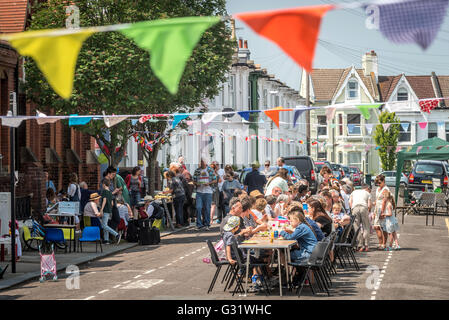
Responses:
[209,117]
[386,126]
[330,113]
[43,118]
[11,122]
[112,121]
[369,128]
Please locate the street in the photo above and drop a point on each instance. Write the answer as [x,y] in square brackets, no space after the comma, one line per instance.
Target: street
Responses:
[174,270]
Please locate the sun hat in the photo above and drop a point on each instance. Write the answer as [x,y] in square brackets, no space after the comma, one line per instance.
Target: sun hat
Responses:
[255,164]
[148,198]
[233,222]
[94,196]
[256,194]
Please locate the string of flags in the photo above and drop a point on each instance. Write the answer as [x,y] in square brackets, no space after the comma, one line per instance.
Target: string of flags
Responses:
[172,41]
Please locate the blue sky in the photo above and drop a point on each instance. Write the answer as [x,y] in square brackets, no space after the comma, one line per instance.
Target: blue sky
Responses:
[347,39]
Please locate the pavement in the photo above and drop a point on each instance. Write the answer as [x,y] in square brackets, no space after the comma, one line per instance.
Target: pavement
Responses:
[174,270]
[28,267]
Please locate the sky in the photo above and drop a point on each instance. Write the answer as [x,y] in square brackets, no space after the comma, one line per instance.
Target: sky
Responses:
[344,39]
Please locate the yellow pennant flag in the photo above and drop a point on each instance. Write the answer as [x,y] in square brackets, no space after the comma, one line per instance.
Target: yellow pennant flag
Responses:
[54,53]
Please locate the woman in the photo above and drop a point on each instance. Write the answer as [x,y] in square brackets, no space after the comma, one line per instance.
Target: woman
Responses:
[329,201]
[319,215]
[382,193]
[91,207]
[124,210]
[73,190]
[282,203]
[326,174]
[228,188]
[280,180]
[134,184]
[176,189]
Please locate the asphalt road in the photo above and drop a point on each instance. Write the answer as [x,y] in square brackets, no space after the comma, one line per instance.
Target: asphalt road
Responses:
[174,270]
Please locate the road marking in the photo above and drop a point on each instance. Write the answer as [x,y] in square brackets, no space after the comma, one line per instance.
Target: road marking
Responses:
[138,276]
[143,284]
[382,275]
[373,293]
[88,298]
[149,271]
[373,298]
[103,291]
[447,224]
[115,287]
[125,282]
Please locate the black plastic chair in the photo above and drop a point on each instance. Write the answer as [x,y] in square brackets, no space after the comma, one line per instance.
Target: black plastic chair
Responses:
[341,240]
[347,249]
[315,264]
[218,264]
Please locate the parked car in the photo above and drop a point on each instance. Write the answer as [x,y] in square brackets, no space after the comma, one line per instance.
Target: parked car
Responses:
[390,178]
[320,164]
[337,171]
[346,171]
[356,176]
[424,171]
[308,169]
[293,173]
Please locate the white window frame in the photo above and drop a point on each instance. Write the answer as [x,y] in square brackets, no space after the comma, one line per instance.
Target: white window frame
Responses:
[359,125]
[402,91]
[321,125]
[409,131]
[232,92]
[349,90]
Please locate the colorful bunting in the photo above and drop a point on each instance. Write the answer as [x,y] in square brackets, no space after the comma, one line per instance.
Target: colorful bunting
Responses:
[422,125]
[209,117]
[54,55]
[418,149]
[297,114]
[295,31]
[386,126]
[273,114]
[405,126]
[170,42]
[178,118]
[112,121]
[74,120]
[415,21]
[43,118]
[428,105]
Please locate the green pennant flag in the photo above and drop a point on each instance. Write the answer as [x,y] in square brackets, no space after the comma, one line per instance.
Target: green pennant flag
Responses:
[364,109]
[170,43]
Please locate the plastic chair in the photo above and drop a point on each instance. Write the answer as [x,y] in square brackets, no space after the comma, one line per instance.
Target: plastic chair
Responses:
[90,234]
[31,242]
[347,249]
[55,236]
[95,222]
[217,263]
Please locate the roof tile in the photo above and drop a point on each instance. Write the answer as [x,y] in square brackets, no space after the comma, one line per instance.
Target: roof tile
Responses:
[13,14]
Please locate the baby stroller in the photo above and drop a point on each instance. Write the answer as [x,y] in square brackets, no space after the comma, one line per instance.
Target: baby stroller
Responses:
[48,264]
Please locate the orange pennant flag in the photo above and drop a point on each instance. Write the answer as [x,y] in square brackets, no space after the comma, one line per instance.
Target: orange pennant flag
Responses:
[273,114]
[295,30]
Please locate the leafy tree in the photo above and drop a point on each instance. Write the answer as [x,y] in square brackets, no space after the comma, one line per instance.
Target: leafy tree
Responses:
[387,140]
[114,75]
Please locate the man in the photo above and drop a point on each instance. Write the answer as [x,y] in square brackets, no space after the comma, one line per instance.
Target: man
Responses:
[235,206]
[181,162]
[345,194]
[254,180]
[360,203]
[276,192]
[267,172]
[281,163]
[118,184]
[49,183]
[203,178]
[216,191]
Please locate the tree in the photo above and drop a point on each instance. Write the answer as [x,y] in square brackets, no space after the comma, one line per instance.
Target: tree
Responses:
[114,75]
[387,140]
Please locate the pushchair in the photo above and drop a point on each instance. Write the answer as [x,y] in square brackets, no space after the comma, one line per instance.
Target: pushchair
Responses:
[48,264]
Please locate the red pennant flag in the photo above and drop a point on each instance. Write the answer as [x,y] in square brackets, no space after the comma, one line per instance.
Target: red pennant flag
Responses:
[273,114]
[295,30]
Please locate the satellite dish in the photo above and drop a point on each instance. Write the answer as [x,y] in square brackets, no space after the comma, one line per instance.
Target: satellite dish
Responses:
[228,110]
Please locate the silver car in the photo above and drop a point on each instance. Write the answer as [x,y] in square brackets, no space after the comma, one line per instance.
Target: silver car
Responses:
[390,178]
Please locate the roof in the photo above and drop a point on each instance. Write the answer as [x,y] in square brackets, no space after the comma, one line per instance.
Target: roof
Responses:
[13,15]
[422,85]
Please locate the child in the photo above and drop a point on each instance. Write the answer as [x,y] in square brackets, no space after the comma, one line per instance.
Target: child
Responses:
[339,218]
[390,224]
[229,237]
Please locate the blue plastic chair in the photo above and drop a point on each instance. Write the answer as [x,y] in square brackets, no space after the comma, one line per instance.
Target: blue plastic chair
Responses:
[95,222]
[90,234]
[55,236]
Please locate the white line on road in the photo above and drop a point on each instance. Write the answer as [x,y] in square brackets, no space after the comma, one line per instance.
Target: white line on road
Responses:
[103,291]
[125,282]
[149,271]
[88,298]
[138,276]
[115,287]
[373,298]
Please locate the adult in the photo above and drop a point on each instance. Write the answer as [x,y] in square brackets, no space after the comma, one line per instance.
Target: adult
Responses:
[85,194]
[134,184]
[382,192]
[203,178]
[318,214]
[327,177]
[336,198]
[119,184]
[271,205]
[228,188]
[216,191]
[187,184]
[49,183]
[281,162]
[267,172]
[282,203]
[329,201]
[345,194]
[176,189]
[276,192]
[279,180]
[181,162]
[235,206]
[360,203]
[124,210]
[296,206]
[106,211]
[91,208]
[254,180]
[73,190]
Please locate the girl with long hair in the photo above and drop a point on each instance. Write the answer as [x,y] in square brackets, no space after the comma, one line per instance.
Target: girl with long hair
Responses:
[319,215]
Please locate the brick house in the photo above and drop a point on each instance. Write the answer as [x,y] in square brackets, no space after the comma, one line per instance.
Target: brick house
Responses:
[55,148]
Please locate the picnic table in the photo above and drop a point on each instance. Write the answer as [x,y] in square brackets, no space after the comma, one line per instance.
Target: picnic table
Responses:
[258,242]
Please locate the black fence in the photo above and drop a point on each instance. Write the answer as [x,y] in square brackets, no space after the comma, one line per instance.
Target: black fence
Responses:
[23,208]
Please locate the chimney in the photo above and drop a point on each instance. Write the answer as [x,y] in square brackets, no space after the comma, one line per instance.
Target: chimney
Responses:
[370,64]
[240,43]
[245,44]
[233,29]
[244,54]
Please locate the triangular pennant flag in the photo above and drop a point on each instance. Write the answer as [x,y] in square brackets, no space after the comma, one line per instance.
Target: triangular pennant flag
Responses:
[409,148]
[440,124]
[368,147]
[43,118]
[386,126]
[330,113]
[297,114]
[74,120]
[189,123]
[170,43]
[418,149]
[209,117]
[261,121]
[102,158]
[405,126]
[369,128]
[333,125]
[364,109]
[398,149]
[178,118]
[244,114]
[112,121]
[422,125]
[295,31]
[12,122]
[351,128]
[55,55]
[273,114]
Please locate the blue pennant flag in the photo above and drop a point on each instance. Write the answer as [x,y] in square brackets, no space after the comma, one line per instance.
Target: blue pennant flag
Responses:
[405,126]
[296,116]
[134,121]
[440,124]
[74,120]
[415,21]
[245,114]
[178,118]
[351,128]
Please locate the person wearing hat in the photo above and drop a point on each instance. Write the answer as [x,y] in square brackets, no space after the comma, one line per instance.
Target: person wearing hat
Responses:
[91,207]
[254,180]
[149,209]
[256,194]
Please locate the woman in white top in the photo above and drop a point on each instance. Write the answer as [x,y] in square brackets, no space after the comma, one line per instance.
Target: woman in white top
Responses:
[279,180]
[382,193]
[124,210]
[74,193]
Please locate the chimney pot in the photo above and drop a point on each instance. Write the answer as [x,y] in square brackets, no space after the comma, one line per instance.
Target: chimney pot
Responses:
[240,43]
[246,44]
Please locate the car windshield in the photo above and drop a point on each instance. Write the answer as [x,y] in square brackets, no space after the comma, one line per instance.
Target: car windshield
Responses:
[335,167]
[353,170]
[428,168]
[301,164]
[319,166]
